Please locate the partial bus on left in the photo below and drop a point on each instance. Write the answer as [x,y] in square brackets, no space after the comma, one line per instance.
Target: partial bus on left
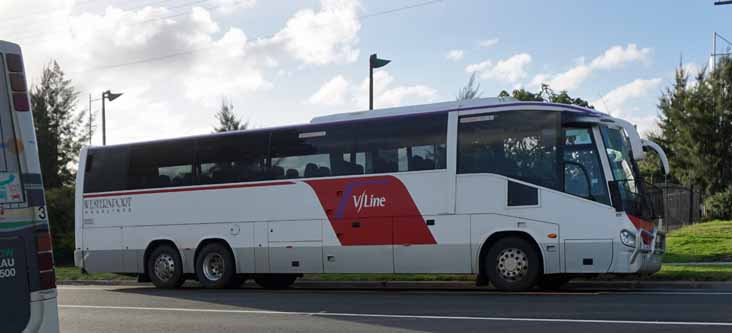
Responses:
[27,275]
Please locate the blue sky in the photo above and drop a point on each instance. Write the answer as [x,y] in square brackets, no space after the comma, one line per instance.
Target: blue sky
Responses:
[282,62]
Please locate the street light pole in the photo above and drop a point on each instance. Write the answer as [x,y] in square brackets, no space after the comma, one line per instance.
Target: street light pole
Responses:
[107,95]
[104,120]
[374,62]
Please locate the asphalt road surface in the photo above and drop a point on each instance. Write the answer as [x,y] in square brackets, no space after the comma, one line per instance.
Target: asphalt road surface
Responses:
[145,309]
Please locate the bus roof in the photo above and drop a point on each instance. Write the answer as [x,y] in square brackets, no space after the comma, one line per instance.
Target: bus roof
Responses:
[402,111]
[478,103]
[6,46]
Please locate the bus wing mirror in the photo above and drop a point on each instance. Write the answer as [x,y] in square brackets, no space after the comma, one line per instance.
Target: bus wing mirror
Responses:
[661,154]
[615,196]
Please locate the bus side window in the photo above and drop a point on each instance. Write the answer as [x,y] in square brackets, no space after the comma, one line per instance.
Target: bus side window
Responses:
[89,163]
[520,144]
[399,145]
[161,165]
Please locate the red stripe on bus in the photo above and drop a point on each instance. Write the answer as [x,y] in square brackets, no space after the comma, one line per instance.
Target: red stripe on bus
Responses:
[201,188]
[372,211]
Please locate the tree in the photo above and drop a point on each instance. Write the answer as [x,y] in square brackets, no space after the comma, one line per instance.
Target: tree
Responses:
[228,121]
[546,94]
[60,131]
[471,89]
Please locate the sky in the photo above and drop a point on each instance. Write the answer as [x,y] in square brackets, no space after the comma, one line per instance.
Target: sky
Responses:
[284,62]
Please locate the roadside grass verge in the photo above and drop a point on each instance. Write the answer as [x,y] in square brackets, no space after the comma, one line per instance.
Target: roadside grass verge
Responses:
[693,273]
[64,273]
[703,242]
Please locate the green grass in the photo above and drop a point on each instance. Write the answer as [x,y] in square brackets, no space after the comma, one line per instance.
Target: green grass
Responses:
[703,242]
[74,274]
[694,273]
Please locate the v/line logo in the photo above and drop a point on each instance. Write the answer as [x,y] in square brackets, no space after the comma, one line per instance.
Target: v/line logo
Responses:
[364,200]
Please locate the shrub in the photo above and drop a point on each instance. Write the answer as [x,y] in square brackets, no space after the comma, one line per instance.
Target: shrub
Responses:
[60,205]
[719,205]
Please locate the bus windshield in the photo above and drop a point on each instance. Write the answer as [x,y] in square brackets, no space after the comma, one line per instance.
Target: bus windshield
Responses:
[633,192]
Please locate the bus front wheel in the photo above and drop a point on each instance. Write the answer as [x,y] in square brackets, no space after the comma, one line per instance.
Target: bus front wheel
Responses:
[512,264]
[165,267]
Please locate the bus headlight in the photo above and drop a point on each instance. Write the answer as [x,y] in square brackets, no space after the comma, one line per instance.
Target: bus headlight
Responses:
[627,238]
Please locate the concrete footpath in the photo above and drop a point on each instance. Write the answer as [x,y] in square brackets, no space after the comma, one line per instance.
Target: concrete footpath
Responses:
[447,285]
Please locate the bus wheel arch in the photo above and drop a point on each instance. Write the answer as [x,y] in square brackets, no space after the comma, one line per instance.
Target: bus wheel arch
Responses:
[215,264]
[496,239]
[165,249]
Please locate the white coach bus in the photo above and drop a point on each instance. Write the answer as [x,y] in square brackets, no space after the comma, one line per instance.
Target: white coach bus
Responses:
[516,193]
[27,276]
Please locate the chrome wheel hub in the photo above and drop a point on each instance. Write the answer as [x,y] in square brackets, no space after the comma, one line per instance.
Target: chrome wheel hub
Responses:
[512,264]
[213,266]
[164,267]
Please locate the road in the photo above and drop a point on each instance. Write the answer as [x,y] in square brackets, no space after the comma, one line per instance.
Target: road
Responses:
[145,309]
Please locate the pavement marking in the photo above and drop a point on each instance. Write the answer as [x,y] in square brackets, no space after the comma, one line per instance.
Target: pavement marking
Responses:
[396,316]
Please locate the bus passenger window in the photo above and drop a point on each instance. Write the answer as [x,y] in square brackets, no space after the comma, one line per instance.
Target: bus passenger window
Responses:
[519,144]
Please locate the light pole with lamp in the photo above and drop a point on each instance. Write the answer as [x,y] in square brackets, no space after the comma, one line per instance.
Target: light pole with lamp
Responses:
[107,95]
[374,62]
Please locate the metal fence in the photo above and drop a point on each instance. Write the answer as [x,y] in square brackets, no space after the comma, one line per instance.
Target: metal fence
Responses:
[681,205]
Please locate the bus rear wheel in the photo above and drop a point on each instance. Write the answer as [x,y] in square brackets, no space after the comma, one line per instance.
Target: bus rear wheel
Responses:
[215,267]
[165,267]
[275,281]
[512,264]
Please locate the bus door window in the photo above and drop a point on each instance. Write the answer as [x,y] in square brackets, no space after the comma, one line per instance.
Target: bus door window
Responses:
[582,162]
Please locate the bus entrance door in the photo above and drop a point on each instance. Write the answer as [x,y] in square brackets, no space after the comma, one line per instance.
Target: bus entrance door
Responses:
[14,292]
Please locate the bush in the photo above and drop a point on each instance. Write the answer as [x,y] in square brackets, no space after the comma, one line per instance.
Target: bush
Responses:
[60,205]
[719,206]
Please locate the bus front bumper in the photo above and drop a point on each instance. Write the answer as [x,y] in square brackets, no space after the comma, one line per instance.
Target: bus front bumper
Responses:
[641,259]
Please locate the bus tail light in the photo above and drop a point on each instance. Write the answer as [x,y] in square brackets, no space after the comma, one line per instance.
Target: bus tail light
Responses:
[20,101]
[44,248]
[14,62]
[17,82]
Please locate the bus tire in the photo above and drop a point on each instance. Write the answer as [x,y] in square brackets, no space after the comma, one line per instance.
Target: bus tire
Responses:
[553,281]
[216,268]
[276,281]
[165,267]
[512,264]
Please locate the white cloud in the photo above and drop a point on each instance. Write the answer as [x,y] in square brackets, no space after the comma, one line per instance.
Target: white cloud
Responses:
[455,55]
[570,79]
[509,70]
[618,56]
[339,91]
[333,92]
[200,59]
[329,35]
[620,102]
[613,58]
[488,42]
